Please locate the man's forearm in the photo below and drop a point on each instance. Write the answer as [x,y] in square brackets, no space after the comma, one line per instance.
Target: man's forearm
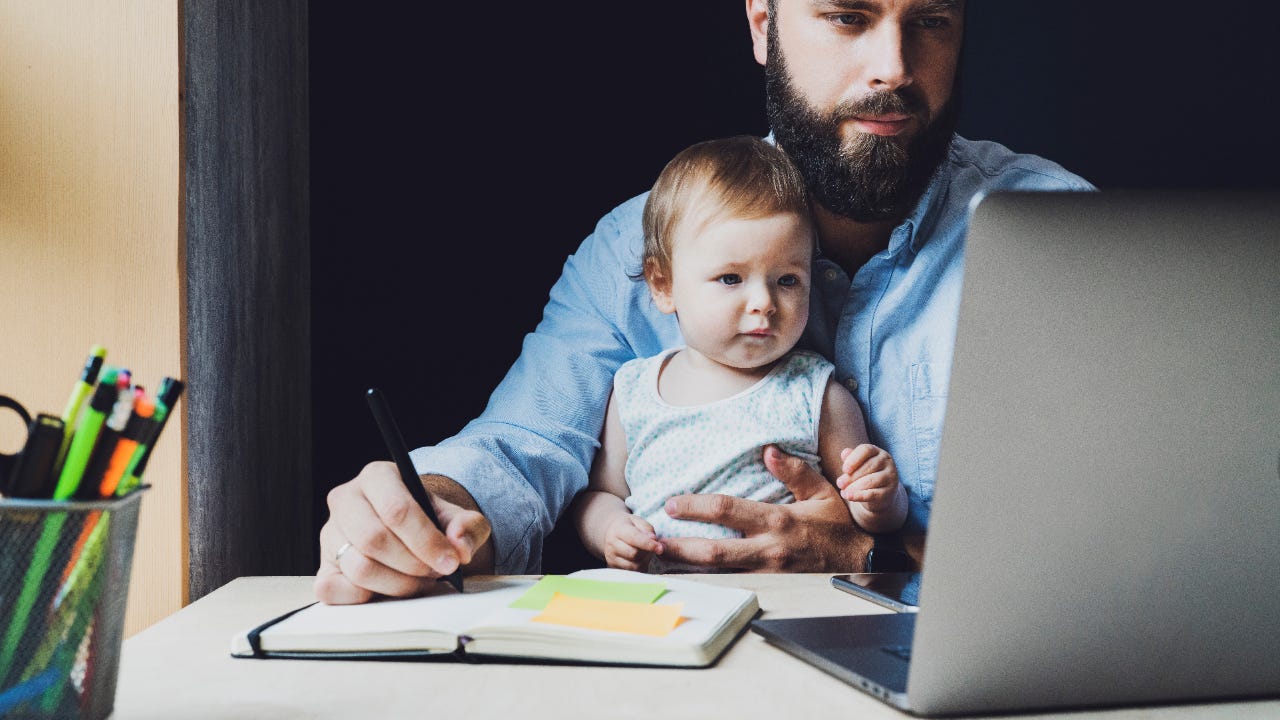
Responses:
[446,489]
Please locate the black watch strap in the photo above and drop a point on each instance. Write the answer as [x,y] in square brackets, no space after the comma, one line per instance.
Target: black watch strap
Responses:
[888,554]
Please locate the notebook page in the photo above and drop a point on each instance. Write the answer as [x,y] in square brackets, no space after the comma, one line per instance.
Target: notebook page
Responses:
[443,611]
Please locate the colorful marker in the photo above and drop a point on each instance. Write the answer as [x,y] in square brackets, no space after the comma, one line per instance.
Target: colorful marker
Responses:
[112,429]
[86,435]
[167,398]
[135,431]
[80,391]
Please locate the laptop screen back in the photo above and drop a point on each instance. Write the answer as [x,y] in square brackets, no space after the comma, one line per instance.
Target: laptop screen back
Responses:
[1106,524]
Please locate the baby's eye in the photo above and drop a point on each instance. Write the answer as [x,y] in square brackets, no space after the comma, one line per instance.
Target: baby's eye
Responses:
[788,281]
[730,279]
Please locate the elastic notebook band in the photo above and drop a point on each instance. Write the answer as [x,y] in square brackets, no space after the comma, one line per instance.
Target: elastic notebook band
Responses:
[254,643]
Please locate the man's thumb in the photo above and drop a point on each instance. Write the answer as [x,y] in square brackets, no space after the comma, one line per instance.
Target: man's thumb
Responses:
[800,478]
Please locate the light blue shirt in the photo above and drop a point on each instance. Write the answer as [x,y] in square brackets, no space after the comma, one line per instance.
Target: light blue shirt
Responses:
[889,330]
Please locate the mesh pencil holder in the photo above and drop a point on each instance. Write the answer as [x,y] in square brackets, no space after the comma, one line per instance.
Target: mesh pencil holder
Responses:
[64,582]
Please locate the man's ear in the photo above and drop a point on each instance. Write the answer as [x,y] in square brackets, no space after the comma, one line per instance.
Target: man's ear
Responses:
[659,286]
[758,20]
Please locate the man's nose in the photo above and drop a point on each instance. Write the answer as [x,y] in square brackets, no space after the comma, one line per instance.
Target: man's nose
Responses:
[884,57]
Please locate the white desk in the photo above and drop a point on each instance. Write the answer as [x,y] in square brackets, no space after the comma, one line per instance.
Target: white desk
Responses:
[180,668]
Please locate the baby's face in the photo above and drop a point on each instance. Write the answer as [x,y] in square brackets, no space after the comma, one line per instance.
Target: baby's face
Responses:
[740,287]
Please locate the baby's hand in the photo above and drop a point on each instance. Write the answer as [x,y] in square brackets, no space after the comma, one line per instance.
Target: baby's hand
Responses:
[869,477]
[630,543]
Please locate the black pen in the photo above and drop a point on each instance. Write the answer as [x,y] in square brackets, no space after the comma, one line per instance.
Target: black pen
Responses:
[408,475]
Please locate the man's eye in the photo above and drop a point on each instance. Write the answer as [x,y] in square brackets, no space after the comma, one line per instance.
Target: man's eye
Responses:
[934,23]
[788,281]
[848,19]
[730,279]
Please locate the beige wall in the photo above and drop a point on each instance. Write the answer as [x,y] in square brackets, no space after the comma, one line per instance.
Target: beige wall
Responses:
[89,232]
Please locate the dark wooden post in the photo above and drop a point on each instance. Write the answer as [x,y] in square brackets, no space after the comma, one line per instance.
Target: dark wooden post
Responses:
[247,332]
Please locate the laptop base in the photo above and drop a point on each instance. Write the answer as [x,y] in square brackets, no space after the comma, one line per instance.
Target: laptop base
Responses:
[865,651]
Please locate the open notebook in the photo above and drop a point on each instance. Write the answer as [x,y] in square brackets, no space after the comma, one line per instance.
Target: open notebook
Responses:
[660,620]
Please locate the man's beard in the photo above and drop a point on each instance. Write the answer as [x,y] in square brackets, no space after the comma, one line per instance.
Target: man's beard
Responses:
[872,177]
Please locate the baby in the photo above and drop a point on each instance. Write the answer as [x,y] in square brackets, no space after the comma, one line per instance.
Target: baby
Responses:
[728,247]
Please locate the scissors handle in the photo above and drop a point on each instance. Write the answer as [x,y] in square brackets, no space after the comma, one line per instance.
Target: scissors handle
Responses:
[6,460]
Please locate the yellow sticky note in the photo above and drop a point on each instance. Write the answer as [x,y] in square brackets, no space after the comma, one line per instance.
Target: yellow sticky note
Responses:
[641,619]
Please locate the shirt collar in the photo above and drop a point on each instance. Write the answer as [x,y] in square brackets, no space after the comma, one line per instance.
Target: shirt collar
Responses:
[914,230]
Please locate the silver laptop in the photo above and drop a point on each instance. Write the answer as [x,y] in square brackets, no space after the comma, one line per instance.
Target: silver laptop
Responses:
[1106,525]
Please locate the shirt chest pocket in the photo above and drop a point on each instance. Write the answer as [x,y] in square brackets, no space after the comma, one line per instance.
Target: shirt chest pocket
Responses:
[929,383]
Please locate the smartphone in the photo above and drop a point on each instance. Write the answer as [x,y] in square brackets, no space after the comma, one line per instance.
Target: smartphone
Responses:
[898,591]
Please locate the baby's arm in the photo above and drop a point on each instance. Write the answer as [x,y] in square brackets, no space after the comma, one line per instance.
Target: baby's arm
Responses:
[607,528]
[865,474]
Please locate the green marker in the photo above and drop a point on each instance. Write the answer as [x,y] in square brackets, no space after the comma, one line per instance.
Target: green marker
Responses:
[87,436]
[79,392]
[88,377]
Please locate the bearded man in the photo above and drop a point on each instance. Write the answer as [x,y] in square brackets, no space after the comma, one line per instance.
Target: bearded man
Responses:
[863,95]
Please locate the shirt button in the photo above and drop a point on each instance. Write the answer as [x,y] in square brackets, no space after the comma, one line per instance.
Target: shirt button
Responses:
[832,274]
[851,384]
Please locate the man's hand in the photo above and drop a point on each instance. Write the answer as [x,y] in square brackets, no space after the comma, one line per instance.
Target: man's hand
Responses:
[812,534]
[387,545]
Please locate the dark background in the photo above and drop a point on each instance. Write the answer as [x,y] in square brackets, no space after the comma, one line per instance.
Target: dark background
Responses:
[460,152]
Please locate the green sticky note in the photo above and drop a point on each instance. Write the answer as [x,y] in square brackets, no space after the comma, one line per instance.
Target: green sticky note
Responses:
[537,597]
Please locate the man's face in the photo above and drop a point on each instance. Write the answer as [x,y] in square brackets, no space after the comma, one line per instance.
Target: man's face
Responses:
[861,95]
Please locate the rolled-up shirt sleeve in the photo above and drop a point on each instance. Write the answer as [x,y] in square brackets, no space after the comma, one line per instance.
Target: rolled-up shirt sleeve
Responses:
[529,452]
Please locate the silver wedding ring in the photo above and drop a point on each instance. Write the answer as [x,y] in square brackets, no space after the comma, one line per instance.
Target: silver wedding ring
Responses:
[337,557]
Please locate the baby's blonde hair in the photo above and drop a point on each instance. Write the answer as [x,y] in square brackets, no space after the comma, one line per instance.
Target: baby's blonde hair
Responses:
[741,176]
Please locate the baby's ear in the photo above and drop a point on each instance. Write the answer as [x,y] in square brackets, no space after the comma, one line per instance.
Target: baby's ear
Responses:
[659,286]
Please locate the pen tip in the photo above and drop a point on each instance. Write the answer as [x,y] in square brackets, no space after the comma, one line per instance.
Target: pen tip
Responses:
[455,580]
[98,351]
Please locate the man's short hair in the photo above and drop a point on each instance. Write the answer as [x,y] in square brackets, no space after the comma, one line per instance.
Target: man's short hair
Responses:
[741,177]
